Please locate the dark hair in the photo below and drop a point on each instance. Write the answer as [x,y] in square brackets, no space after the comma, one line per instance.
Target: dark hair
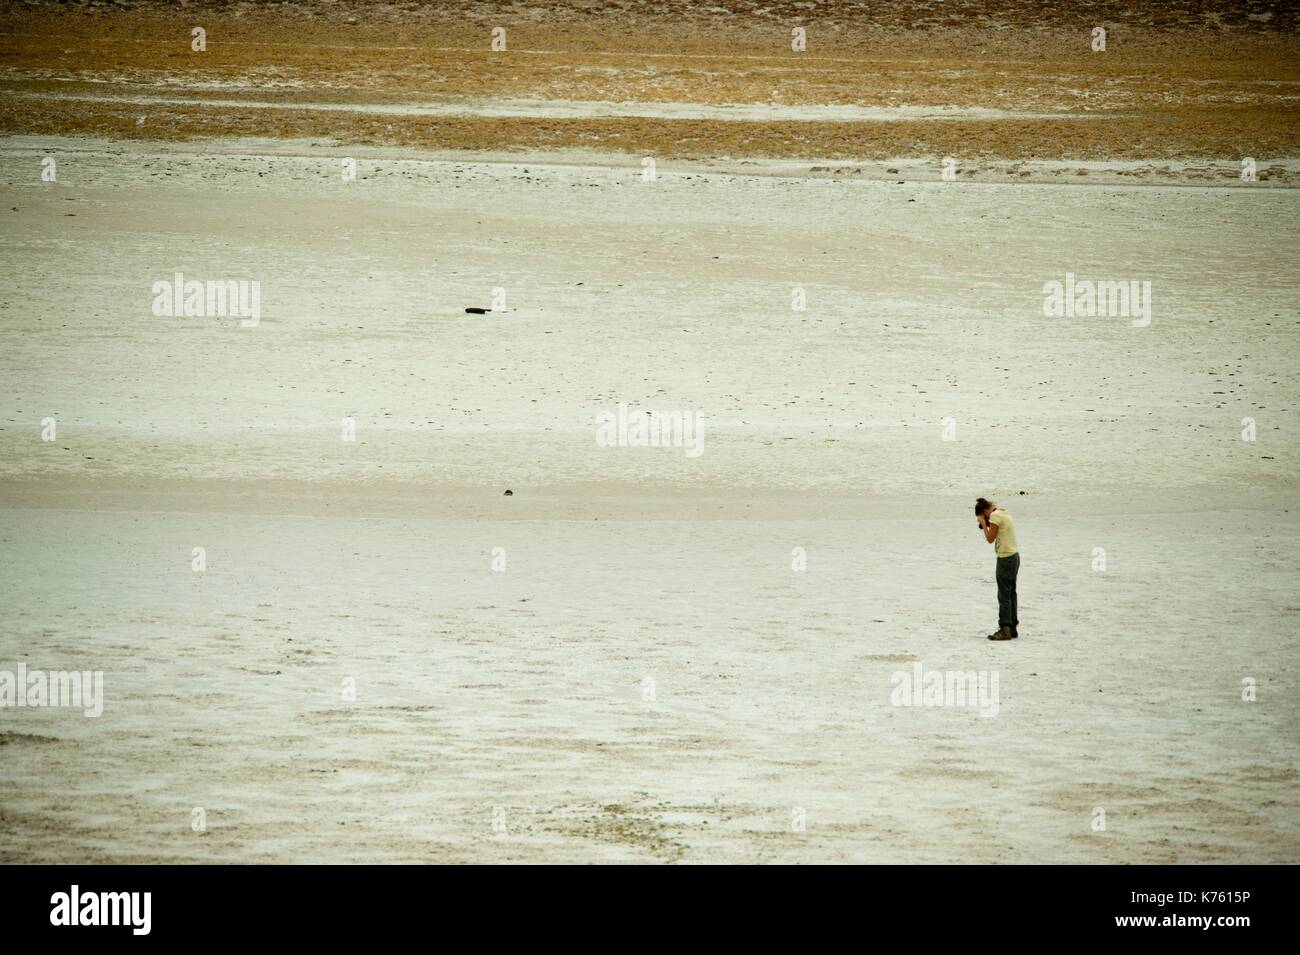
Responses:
[981,506]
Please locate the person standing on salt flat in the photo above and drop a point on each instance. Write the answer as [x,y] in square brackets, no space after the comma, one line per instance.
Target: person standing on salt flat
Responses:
[1000,531]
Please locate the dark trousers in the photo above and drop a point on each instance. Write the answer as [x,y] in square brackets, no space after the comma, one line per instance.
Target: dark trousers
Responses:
[1008,609]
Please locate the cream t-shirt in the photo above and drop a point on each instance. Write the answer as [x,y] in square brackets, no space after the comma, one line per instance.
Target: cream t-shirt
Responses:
[1004,545]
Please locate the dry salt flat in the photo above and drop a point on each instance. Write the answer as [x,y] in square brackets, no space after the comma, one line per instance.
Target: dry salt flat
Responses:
[647,678]
[574,109]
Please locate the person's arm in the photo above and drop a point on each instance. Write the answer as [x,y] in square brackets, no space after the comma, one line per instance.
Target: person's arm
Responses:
[990,530]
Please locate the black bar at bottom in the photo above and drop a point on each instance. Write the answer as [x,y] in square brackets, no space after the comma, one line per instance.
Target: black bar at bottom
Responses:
[332,905]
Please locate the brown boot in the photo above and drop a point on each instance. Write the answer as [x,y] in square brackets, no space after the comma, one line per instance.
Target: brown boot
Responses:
[1004,633]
